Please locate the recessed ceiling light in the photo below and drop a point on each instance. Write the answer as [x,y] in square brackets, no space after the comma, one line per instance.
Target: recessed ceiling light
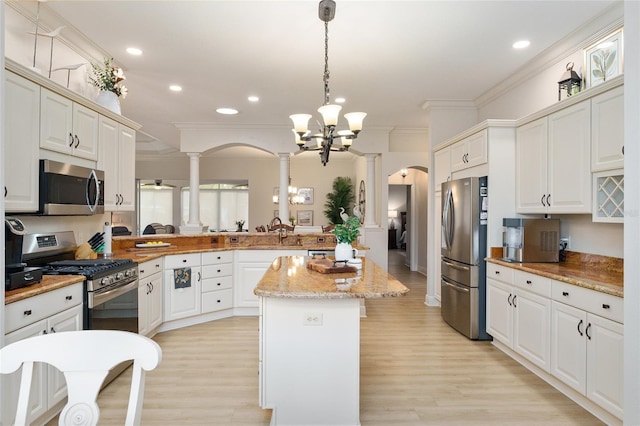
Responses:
[175,88]
[134,51]
[339,100]
[521,44]
[227,111]
[253,99]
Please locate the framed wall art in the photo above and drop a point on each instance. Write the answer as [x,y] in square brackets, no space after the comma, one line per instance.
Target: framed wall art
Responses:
[307,195]
[305,217]
[603,59]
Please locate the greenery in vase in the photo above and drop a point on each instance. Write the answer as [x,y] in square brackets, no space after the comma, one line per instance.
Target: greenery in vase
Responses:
[348,231]
[342,196]
[109,78]
[240,224]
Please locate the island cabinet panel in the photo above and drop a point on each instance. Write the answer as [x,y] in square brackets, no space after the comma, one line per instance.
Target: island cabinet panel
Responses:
[310,361]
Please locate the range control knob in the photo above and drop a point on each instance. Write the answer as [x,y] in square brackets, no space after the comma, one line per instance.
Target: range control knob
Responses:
[119,276]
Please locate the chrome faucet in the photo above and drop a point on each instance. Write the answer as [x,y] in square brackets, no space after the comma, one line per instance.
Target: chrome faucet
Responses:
[282,232]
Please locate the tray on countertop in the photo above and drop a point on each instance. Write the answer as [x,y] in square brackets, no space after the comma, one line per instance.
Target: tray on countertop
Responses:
[150,245]
[328,266]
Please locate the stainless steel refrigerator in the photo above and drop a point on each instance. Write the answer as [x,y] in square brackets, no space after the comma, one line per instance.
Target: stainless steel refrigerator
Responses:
[464,247]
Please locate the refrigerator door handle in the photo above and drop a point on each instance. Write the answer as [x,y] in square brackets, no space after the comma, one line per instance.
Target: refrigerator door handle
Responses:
[447,219]
[454,286]
[453,265]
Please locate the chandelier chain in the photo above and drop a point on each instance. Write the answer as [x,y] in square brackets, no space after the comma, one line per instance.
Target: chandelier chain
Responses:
[326,63]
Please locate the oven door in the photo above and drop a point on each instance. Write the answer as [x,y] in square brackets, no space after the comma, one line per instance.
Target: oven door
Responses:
[114,308]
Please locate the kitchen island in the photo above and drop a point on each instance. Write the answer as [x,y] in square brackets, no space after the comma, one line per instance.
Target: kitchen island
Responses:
[310,340]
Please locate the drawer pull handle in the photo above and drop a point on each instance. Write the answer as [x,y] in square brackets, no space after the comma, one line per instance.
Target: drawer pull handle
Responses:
[580,328]
[509,300]
[218,270]
[27,313]
[218,300]
[514,300]
[219,258]
[587,331]
[157,265]
[219,283]
[184,260]
[528,281]
[497,272]
[605,306]
[142,271]
[69,297]
[565,293]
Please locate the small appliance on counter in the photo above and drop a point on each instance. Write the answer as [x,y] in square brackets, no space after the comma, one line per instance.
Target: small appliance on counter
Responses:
[531,240]
[17,274]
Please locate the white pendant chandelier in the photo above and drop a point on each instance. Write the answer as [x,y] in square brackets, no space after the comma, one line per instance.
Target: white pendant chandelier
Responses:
[324,140]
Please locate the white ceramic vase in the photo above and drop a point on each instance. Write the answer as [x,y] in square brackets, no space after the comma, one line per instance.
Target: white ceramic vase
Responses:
[109,100]
[344,251]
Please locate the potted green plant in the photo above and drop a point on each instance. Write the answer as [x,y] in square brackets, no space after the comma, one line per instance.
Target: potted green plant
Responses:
[342,196]
[109,79]
[239,225]
[346,233]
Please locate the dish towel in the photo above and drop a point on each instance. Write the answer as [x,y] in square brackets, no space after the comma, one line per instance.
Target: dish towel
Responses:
[182,277]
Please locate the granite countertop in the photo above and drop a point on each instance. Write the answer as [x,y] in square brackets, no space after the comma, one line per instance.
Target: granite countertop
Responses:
[599,273]
[289,277]
[48,283]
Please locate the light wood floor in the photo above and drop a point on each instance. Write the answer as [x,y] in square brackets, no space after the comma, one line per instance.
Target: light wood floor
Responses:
[415,370]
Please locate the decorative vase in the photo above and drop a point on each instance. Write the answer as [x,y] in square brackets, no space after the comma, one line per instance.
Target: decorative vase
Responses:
[343,251]
[109,100]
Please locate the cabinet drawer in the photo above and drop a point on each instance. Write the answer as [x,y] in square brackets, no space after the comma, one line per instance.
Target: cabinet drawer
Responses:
[500,273]
[214,257]
[532,282]
[150,267]
[36,308]
[602,304]
[181,260]
[221,270]
[220,283]
[217,300]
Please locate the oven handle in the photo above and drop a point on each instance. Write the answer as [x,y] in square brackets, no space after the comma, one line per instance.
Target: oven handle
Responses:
[97,299]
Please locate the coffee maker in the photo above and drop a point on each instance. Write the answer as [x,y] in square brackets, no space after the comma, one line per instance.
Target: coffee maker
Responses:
[16,273]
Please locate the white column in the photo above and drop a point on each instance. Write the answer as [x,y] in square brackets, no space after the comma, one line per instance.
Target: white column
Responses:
[283,208]
[194,226]
[370,191]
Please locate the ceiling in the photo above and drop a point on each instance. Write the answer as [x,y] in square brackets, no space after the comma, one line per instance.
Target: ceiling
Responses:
[386,57]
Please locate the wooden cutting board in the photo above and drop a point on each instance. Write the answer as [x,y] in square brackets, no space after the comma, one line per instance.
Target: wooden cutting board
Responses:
[326,266]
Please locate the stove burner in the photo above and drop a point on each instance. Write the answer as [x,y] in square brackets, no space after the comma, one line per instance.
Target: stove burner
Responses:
[87,267]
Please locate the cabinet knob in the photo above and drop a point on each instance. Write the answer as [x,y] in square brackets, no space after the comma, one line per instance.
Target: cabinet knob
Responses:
[27,313]
[184,260]
[218,300]
[218,270]
[219,257]
[605,306]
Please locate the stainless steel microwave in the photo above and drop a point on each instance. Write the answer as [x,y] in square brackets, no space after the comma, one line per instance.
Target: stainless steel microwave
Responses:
[67,189]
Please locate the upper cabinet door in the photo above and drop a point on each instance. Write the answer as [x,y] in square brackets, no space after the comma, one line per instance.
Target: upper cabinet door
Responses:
[108,161]
[469,152]
[85,132]
[531,167]
[607,130]
[442,163]
[569,184]
[22,136]
[56,120]
[127,168]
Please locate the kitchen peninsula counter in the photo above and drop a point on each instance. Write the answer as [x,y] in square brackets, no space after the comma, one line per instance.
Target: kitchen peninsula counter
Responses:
[309,352]
[599,273]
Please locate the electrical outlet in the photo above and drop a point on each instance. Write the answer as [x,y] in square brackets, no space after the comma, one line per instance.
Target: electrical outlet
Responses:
[565,241]
[312,318]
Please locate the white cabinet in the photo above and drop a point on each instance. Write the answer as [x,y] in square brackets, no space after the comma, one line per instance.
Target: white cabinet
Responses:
[607,130]
[53,312]
[217,281]
[67,127]
[150,296]
[442,163]
[469,152]
[182,286]
[250,266]
[117,160]
[517,317]
[553,162]
[22,136]
[587,349]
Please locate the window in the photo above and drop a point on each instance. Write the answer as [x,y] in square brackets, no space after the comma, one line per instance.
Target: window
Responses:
[156,205]
[221,205]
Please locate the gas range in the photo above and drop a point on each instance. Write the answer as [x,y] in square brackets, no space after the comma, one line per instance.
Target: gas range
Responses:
[100,274]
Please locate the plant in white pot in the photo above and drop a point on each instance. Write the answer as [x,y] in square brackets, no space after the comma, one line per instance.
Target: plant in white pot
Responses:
[346,233]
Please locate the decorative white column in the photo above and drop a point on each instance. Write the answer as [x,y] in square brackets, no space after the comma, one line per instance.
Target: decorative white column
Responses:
[194,226]
[370,191]
[283,208]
